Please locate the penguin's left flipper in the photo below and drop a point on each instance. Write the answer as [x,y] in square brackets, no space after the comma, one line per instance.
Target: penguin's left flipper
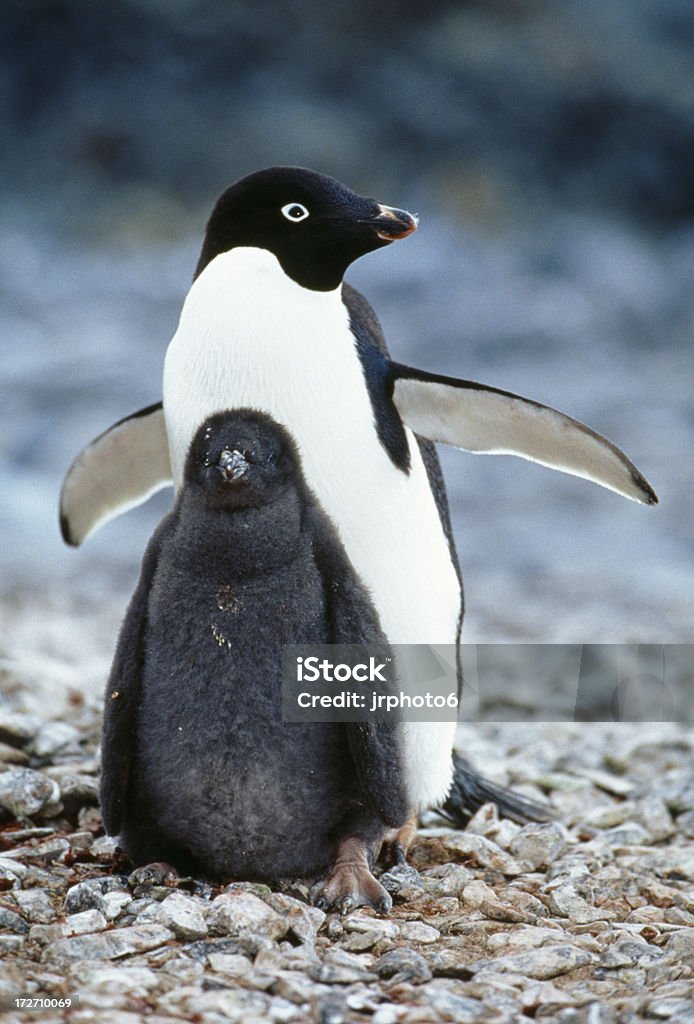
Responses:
[118,470]
[483,419]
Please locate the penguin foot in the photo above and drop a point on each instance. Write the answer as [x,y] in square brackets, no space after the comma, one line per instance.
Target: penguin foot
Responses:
[347,887]
[156,873]
[350,883]
[397,843]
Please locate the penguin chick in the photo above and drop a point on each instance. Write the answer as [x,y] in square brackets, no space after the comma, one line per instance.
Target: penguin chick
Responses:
[198,768]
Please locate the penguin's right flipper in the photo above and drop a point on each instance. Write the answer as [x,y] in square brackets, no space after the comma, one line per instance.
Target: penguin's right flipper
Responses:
[123,693]
[118,470]
[471,790]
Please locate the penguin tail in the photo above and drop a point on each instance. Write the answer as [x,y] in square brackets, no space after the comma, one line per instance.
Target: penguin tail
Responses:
[470,790]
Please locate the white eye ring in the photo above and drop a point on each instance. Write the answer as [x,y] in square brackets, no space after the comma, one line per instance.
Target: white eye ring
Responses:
[295,212]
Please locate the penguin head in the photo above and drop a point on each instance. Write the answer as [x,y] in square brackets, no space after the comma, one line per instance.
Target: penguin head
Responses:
[314,225]
[242,459]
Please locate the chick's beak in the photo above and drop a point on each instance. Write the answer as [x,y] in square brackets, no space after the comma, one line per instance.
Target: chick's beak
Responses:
[232,465]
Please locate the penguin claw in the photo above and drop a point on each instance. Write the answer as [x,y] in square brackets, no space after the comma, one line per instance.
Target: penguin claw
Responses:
[348,887]
[393,854]
[385,906]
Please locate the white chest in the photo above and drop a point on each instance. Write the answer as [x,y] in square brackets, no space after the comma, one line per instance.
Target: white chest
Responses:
[250,337]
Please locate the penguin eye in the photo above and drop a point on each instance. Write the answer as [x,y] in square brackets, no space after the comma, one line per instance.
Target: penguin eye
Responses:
[295,212]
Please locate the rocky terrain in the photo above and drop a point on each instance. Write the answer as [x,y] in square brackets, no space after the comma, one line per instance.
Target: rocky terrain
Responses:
[548,149]
[586,920]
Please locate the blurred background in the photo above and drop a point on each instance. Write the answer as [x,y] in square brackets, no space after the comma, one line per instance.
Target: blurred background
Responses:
[548,147]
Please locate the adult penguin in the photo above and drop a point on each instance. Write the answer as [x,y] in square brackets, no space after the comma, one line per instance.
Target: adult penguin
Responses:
[269,324]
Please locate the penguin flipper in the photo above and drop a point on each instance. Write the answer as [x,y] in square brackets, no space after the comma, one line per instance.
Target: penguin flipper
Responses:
[123,693]
[118,470]
[482,419]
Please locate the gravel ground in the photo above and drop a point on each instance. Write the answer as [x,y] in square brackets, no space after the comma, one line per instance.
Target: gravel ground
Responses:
[589,919]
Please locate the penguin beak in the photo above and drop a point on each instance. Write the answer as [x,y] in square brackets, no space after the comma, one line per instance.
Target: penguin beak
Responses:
[232,465]
[391,224]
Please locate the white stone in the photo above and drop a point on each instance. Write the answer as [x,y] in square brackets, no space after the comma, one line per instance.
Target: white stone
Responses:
[181,914]
[244,913]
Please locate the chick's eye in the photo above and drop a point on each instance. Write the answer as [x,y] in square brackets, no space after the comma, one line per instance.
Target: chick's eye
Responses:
[295,212]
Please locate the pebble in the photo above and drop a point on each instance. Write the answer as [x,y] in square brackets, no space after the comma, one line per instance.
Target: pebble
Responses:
[685,824]
[81,840]
[45,933]
[539,844]
[304,921]
[11,921]
[110,945]
[297,988]
[52,849]
[78,791]
[560,781]
[524,938]
[656,818]
[85,922]
[611,814]
[671,1009]
[403,964]
[484,852]
[476,893]
[26,793]
[17,728]
[447,879]
[53,738]
[89,893]
[402,880]
[630,833]
[36,906]
[12,869]
[386,1015]
[242,913]
[225,1004]
[109,987]
[341,967]
[542,963]
[183,915]
[616,784]
[10,755]
[113,904]
[565,901]
[681,943]
[454,1006]
[417,931]
[11,943]
[233,964]
[359,942]
[359,921]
